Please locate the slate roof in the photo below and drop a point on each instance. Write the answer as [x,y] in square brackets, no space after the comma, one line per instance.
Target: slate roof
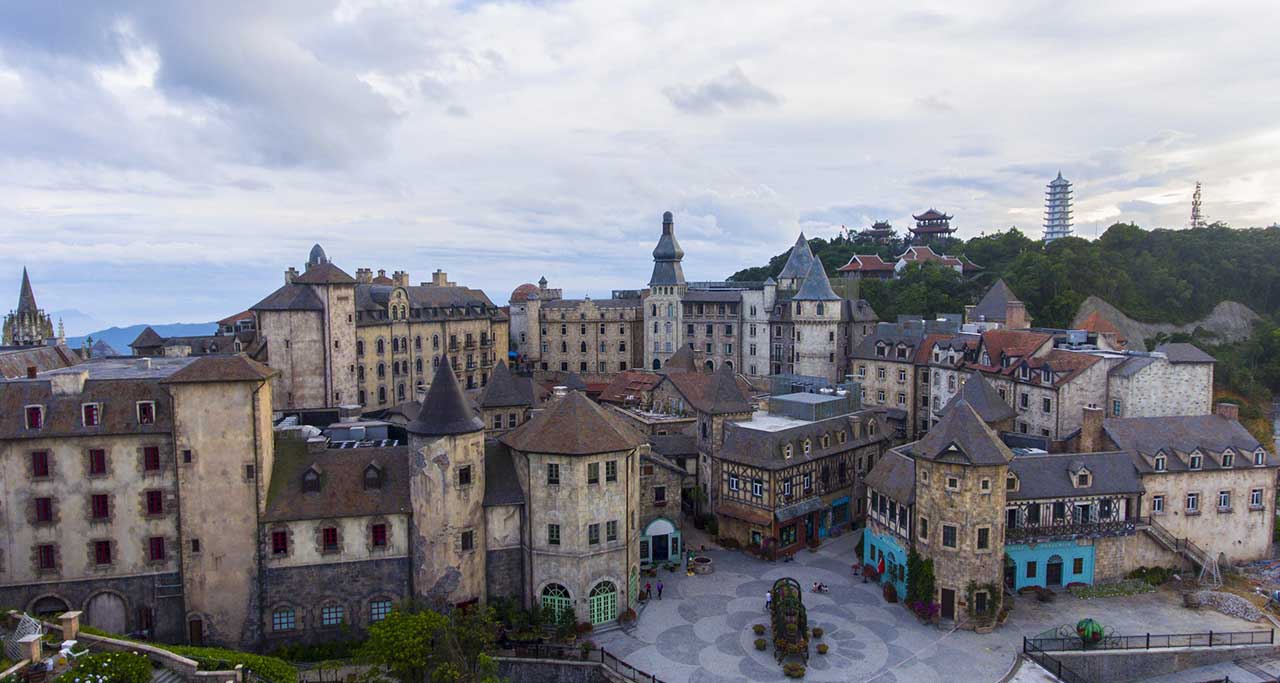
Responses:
[799,261]
[712,393]
[445,410]
[291,297]
[573,425]
[1181,352]
[146,339]
[102,349]
[118,394]
[894,475]
[324,273]
[762,448]
[983,398]
[26,297]
[342,492]
[1179,435]
[14,362]
[861,311]
[235,368]
[1053,476]
[994,304]
[630,383]
[501,485]
[961,436]
[1131,366]
[713,296]
[673,445]
[892,336]
[816,286]
[667,255]
[502,390]
[681,361]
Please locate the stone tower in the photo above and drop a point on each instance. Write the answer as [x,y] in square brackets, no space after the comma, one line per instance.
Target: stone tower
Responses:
[799,261]
[819,335]
[663,308]
[28,325]
[961,467]
[446,447]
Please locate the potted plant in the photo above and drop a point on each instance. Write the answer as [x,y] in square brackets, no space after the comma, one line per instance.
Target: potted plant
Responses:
[823,648]
[817,632]
[761,644]
[758,629]
[890,593]
[586,647]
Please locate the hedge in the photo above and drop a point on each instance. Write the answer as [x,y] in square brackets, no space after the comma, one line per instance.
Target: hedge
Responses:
[110,667]
[272,669]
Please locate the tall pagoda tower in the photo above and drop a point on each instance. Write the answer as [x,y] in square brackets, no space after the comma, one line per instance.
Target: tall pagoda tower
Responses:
[1197,215]
[931,225]
[1057,209]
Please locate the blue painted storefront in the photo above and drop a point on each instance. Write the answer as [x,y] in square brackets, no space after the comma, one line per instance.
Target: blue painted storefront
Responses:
[875,547]
[1037,559]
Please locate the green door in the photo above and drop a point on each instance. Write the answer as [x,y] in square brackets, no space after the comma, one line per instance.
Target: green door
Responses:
[604,603]
[555,600]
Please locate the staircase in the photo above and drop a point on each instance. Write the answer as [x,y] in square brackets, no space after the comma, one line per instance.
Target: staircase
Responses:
[163,675]
[1208,565]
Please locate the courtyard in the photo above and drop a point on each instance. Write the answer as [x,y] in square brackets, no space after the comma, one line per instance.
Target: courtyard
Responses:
[701,629]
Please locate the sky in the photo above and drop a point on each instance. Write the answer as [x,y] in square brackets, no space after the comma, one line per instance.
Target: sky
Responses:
[166,162]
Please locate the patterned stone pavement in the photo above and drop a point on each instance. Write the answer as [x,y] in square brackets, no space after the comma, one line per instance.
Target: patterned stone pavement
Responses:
[701,630]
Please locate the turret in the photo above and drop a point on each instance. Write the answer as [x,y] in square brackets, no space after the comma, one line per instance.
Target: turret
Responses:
[667,256]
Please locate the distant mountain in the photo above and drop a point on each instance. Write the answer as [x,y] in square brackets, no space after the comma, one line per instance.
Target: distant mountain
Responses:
[120,337]
[75,321]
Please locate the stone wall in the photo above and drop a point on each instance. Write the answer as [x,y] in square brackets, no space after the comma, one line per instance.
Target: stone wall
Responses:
[968,509]
[1115,557]
[1164,388]
[1240,532]
[444,513]
[504,576]
[136,592]
[1136,665]
[296,347]
[308,590]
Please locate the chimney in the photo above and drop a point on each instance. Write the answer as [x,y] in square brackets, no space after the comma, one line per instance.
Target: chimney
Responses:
[968,314]
[1091,430]
[144,363]
[1015,316]
[401,278]
[382,272]
[1229,411]
[364,276]
[31,372]
[290,274]
[440,279]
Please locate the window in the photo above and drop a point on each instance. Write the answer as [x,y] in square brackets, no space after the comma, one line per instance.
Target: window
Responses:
[102,552]
[40,464]
[953,483]
[924,529]
[659,495]
[97,462]
[1227,458]
[1259,458]
[195,546]
[1196,461]
[497,421]
[786,487]
[329,539]
[155,502]
[1115,408]
[511,420]
[100,506]
[1046,405]
[464,475]
[1224,500]
[249,472]
[553,534]
[1077,566]
[310,481]
[186,453]
[280,543]
[378,535]
[1157,505]
[467,541]
[611,470]
[984,538]
[1024,400]
[1193,502]
[1011,483]
[155,548]
[1031,570]
[593,534]
[151,458]
[611,530]
[734,483]
[44,510]
[553,474]
[146,412]
[35,417]
[948,536]
[379,610]
[46,557]
[787,536]
[1082,479]
[593,473]
[1160,463]
[283,619]
[1255,499]
[757,488]
[985,485]
[91,413]
[332,615]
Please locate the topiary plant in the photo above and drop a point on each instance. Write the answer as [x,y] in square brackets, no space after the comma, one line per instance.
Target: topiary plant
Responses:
[761,644]
[822,648]
[793,670]
[758,629]
[817,632]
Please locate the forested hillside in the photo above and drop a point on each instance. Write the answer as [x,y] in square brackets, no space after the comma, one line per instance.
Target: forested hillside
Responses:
[1173,276]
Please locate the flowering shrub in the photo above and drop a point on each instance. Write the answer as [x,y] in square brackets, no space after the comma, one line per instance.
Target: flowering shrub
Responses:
[110,667]
[926,610]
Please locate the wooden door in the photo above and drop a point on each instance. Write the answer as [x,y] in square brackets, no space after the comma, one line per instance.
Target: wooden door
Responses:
[948,604]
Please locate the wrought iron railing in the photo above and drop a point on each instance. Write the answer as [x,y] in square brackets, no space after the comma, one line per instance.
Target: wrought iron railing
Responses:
[1038,532]
[1150,641]
[577,654]
[1051,664]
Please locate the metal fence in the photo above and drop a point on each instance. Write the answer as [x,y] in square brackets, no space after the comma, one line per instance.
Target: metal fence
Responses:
[577,654]
[1051,664]
[1151,641]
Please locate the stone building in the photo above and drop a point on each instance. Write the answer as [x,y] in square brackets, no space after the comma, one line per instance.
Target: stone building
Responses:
[28,324]
[507,400]
[372,341]
[150,343]
[999,308]
[662,485]
[601,336]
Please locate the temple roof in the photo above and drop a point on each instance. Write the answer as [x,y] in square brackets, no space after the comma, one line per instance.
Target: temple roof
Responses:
[932,215]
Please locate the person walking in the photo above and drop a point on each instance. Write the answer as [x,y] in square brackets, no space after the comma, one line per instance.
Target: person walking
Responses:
[659,590]
[648,590]
[768,600]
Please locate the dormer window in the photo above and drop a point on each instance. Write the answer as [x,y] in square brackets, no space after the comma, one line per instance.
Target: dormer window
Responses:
[807,447]
[1046,376]
[986,358]
[1227,458]
[1160,463]
[35,417]
[1259,458]
[146,412]
[1011,483]
[880,349]
[91,414]
[826,441]
[372,478]
[311,480]
[786,451]
[1082,479]
[1024,372]
[1196,461]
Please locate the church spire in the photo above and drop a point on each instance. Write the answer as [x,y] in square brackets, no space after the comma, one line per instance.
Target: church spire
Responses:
[26,298]
[667,256]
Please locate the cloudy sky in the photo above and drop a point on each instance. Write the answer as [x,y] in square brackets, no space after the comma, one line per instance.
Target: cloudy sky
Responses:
[164,162]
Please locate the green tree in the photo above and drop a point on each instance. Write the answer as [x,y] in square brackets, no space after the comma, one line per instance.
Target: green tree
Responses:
[416,645]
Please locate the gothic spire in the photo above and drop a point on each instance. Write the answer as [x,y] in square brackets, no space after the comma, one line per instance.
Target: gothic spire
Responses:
[26,298]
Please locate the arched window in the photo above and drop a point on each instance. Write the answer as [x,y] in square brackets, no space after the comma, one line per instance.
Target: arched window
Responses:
[359,347]
[310,480]
[382,370]
[417,365]
[417,343]
[668,328]
[382,394]
[435,341]
[400,392]
[360,373]
[362,397]
[380,346]
[284,619]
[435,362]
[603,602]
[555,600]
[671,311]
[395,345]
[582,347]
[871,427]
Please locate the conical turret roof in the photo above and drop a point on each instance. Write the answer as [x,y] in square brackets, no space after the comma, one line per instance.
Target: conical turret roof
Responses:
[445,410]
[667,255]
[502,390]
[26,297]
[962,437]
[681,361]
[816,286]
[799,261]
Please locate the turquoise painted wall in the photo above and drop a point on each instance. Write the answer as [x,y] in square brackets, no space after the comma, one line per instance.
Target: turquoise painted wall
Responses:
[873,545]
[1041,553]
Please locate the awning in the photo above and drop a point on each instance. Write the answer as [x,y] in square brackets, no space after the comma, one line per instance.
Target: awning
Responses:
[804,507]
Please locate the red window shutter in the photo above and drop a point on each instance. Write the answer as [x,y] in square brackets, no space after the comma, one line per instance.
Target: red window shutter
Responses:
[102,552]
[40,464]
[48,560]
[35,418]
[97,461]
[90,415]
[157,548]
[155,502]
[151,458]
[279,542]
[44,509]
[330,538]
[101,506]
[380,535]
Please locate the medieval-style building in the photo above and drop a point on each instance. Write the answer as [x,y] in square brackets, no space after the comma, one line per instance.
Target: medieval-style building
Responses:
[28,324]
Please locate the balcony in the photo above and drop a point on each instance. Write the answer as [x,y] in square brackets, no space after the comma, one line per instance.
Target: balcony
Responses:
[453,347]
[1069,530]
[469,344]
[486,343]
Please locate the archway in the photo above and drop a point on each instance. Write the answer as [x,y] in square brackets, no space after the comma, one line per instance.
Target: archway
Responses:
[107,611]
[604,603]
[657,364]
[555,600]
[49,605]
[729,363]
[709,365]
[660,542]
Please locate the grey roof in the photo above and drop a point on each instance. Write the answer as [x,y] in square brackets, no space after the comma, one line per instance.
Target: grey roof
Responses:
[681,361]
[713,295]
[724,395]
[894,475]
[1053,476]
[26,297]
[994,304]
[1131,366]
[342,492]
[800,509]
[799,261]
[673,445]
[501,486]
[816,286]
[445,410]
[667,255]
[891,334]
[983,398]
[147,338]
[317,256]
[375,297]
[962,437]
[599,303]
[102,349]
[291,297]
[1181,352]
[573,425]
[574,382]
[763,448]
[861,311]
[325,273]
[1143,437]
[503,391]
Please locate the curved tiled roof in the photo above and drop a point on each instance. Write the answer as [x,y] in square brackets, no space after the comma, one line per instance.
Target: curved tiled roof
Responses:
[573,425]
[522,292]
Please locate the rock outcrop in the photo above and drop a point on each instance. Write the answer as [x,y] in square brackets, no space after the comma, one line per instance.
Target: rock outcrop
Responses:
[1230,320]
